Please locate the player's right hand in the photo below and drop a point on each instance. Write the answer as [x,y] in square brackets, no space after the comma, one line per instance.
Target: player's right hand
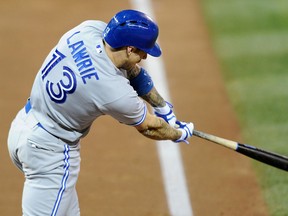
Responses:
[186,129]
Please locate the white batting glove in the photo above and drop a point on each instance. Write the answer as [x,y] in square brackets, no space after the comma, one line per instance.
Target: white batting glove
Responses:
[166,113]
[186,129]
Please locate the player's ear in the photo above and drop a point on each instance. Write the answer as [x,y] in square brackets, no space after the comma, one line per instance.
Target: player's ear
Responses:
[130,50]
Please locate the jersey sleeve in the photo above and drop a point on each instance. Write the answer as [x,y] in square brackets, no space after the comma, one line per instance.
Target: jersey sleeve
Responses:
[129,109]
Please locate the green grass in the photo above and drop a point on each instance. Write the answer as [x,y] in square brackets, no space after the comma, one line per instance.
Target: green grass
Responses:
[251,41]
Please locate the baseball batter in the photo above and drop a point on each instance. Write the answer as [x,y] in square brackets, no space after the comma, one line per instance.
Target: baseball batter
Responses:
[92,71]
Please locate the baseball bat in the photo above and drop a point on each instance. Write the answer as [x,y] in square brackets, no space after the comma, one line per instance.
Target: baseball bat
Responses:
[267,157]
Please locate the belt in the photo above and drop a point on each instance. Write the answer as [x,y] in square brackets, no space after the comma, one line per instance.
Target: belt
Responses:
[27,110]
[28,106]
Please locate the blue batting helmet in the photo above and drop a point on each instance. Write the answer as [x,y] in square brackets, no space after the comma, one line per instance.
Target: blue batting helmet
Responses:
[133,28]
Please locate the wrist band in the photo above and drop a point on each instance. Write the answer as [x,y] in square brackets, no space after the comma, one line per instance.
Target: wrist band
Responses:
[142,83]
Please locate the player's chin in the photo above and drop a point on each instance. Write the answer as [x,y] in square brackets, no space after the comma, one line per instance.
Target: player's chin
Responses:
[139,60]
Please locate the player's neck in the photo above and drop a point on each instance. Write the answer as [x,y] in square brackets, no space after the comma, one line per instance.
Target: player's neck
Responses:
[115,55]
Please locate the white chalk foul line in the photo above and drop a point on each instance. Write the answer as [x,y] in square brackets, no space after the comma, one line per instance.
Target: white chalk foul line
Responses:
[169,153]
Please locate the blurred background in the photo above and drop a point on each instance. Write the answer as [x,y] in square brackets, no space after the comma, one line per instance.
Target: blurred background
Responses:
[225,63]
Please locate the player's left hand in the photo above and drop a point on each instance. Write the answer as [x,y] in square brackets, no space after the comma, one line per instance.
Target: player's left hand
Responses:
[186,129]
[166,113]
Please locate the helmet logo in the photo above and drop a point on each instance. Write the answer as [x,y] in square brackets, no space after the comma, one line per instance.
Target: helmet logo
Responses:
[106,31]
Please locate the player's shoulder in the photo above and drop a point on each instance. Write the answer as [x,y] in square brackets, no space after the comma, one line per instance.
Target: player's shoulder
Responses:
[94,23]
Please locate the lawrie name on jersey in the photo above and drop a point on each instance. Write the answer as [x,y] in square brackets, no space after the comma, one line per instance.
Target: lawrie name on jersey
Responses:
[82,58]
[59,90]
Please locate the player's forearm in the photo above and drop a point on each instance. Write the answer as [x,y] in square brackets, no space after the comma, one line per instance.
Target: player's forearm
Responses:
[160,130]
[154,98]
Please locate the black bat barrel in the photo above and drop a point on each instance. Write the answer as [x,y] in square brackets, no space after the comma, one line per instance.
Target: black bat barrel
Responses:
[263,156]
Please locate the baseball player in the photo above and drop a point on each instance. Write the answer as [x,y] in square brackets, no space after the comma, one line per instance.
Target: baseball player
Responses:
[92,71]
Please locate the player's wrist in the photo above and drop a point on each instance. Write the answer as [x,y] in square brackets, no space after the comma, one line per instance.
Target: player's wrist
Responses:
[166,113]
[164,110]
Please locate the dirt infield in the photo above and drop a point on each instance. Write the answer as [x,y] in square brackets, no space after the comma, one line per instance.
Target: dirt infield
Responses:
[120,172]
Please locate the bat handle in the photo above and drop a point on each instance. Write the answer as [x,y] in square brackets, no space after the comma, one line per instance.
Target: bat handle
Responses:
[218,140]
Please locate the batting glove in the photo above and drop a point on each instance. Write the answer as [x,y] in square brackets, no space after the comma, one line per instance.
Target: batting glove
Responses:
[186,129]
[166,113]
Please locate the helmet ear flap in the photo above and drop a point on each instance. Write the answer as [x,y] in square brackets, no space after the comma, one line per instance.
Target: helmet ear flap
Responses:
[133,28]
